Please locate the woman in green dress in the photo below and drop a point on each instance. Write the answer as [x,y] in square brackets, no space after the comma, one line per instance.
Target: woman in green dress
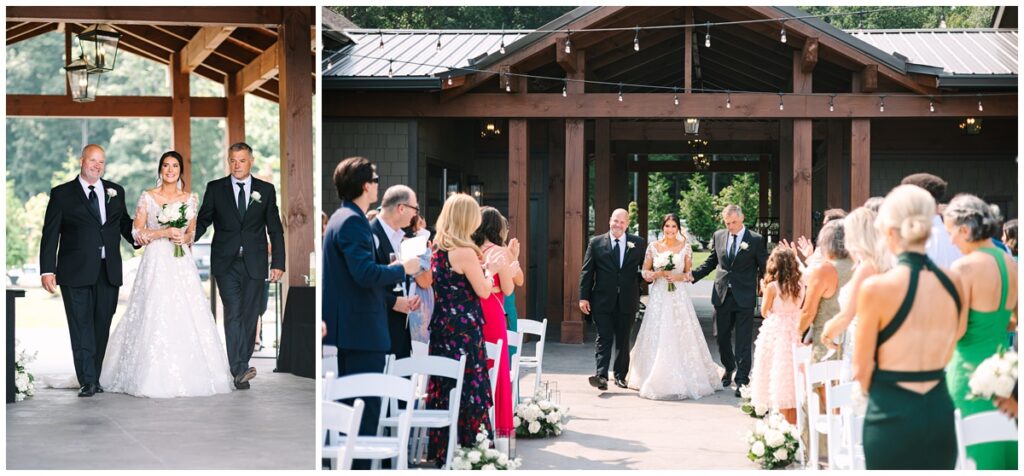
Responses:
[908,318]
[970,223]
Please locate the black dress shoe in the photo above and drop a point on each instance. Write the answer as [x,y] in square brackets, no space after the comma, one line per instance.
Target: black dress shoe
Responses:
[99,389]
[621,383]
[242,385]
[87,390]
[726,381]
[600,383]
[738,392]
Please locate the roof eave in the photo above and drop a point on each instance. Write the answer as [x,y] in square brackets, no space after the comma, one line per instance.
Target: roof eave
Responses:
[979,81]
[847,38]
[404,83]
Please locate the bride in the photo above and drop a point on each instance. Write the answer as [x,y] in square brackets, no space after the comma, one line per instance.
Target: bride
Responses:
[670,360]
[166,344]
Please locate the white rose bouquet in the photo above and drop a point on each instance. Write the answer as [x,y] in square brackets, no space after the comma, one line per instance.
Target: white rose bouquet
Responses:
[23,381]
[176,215]
[665,262]
[774,442]
[482,456]
[994,376]
[747,405]
[538,417]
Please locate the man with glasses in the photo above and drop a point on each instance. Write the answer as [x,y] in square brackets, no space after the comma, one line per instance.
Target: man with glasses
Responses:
[397,211]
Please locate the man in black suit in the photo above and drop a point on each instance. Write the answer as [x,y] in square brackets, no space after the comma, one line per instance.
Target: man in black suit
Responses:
[611,279]
[398,209]
[79,251]
[243,211]
[738,256]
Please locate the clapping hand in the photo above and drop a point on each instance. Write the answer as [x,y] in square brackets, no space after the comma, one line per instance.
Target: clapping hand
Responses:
[805,246]
[513,247]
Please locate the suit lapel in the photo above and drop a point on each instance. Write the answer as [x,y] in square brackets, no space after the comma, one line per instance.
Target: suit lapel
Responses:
[84,198]
[385,243]
[233,197]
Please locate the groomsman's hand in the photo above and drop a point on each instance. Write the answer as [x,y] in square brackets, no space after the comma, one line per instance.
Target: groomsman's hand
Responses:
[49,283]
[275,274]
[585,306]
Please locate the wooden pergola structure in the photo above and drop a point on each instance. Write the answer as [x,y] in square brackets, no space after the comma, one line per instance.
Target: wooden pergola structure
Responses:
[592,119]
[265,51]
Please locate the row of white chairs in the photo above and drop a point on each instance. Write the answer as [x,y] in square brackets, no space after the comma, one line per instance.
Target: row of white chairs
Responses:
[843,426]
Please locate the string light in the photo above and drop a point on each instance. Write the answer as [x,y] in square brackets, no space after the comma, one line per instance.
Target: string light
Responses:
[782,33]
[728,100]
[438,42]
[881,104]
[781,106]
[380,45]
[832,103]
[942,18]
[980,107]
[636,39]
[707,37]
[501,49]
[568,42]
[675,98]
[449,80]
[391,71]
[620,92]
[508,84]
[931,105]
[565,89]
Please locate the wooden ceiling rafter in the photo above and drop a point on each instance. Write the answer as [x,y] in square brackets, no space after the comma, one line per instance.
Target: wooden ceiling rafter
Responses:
[151,15]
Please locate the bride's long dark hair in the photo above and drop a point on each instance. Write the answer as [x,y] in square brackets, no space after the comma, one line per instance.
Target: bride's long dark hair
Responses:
[681,235]
[181,166]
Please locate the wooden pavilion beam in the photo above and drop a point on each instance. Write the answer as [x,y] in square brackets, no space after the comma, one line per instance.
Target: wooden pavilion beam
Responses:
[686,165]
[23,105]
[152,15]
[688,53]
[556,225]
[673,131]
[575,209]
[296,123]
[803,154]
[602,175]
[860,161]
[658,105]
[235,100]
[834,166]
[203,45]
[809,55]
[28,30]
[519,200]
[261,69]
[181,115]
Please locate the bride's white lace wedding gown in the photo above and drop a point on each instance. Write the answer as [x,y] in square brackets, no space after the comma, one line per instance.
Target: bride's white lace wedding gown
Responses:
[166,344]
[670,359]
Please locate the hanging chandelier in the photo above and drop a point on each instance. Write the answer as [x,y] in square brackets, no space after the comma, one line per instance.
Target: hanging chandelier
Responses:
[98,44]
[83,80]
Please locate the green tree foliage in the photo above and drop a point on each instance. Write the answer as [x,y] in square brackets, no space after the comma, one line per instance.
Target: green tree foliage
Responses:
[660,202]
[458,17]
[697,208]
[915,17]
[17,246]
[634,220]
[745,192]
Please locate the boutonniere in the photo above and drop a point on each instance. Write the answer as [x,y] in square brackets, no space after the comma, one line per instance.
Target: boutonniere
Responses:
[744,245]
[111,193]
[630,245]
[255,197]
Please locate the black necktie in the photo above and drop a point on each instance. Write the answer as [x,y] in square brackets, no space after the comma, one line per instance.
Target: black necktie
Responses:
[618,256]
[94,202]
[732,248]
[241,199]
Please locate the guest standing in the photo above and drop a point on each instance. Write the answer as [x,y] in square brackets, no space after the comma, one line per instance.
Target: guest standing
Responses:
[1010,236]
[823,283]
[939,248]
[908,320]
[398,209]
[991,310]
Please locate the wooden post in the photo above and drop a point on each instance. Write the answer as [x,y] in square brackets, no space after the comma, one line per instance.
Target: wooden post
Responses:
[557,294]
[181,116]
[786,179]
[834,166]
[296,122]
[235,121]
[67,59]
[764,185]
[642,200]
[688,52]
[602,175]
[860,161]
[801,178]
[519,201]
[575,176]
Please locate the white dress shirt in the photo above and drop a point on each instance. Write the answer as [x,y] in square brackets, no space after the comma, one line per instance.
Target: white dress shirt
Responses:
[622,246]
[394,236]
[101,197]
[940,247]
[248,189]
[735,247]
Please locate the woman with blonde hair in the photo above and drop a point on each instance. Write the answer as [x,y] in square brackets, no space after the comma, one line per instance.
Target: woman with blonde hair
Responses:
[908,319]
[457,323]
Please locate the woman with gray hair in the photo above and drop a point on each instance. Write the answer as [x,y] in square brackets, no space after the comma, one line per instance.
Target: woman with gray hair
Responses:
[992,310]
[821,300]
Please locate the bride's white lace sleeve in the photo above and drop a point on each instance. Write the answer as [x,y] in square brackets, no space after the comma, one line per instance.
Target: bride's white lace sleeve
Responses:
[139,224]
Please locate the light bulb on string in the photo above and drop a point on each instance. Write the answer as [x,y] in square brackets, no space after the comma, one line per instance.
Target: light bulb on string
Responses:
[565,89]
[501,49]
[391,70]
[782,33]
[832,103]
[980,107]
[728,100]
[781,106]
[508,84]
[620,92]
[881,104]
[438,46]
[449,80]
[636,40]
[707,36]
[380,45]
[568,42]
[675,97]
[931,105]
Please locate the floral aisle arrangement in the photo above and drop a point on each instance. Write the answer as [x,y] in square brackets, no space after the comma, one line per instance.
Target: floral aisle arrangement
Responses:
[747,406]
[482,456]
[23,380]
[539,417]
[994,377]
[665,262]
[774,442]
[176,215]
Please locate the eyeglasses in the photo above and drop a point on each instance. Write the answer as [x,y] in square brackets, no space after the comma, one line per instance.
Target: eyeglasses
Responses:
[412,207]
[375,180]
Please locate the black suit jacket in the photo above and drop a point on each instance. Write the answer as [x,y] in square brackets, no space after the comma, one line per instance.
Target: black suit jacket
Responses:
[603,282]
[73,235]
[742,272]
[232,231]
[381,255]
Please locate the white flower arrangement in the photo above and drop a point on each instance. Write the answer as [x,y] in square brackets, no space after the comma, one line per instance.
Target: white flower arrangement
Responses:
[665,262]
[482,456]
[539,417]
[994,376]
[176,215]
[744,245]
[24,382]
[255,197]
[747,405]
[111,193]
[774,442]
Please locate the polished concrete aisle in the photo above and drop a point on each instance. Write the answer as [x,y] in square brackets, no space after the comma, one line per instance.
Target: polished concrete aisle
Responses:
[271,426]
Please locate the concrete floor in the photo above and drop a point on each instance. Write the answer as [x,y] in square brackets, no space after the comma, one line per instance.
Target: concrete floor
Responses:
[616,429]
[271,426]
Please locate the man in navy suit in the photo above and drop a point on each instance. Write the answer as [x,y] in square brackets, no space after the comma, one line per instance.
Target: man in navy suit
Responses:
[354,303]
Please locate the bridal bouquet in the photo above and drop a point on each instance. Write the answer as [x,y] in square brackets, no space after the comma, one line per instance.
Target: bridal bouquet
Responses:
[176,215]
[774,442]
[23,381]
[482,456]
[994,377]
[747,405]
[538,417]
[666,262]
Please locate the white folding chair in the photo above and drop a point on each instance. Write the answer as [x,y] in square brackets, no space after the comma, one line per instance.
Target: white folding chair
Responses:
[801,360]
[386,387]
[494,353]
[419,349]
[844,428]
[985,427]
[329,356]
[423,368]
[340,418]
[514,340]
[817,422]
[536,361]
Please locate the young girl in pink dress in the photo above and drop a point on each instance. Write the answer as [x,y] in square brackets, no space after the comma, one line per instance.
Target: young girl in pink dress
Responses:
[771,380]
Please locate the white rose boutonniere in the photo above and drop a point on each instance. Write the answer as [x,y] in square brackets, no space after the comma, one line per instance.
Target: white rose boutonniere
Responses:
[744,245]
[630,245]
[111,193]
[255,197]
